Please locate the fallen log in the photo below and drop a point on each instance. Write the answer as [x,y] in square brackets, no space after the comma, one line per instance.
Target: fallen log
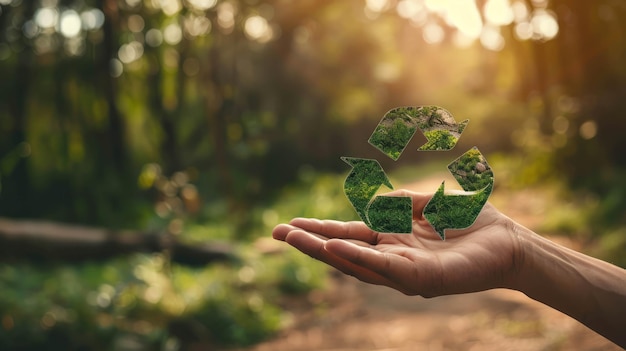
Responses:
[43,241]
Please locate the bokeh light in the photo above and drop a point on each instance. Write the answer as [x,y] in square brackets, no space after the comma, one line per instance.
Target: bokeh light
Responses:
[136,23]
[202,5]
[154,37]
[544,24]
[433,33]
[197,25]
[588,129]
[47,17]
[218,119]
[130,52]
[257,28]
[70,24]
[172,34]
[92,19]
[226,15]
[499,12]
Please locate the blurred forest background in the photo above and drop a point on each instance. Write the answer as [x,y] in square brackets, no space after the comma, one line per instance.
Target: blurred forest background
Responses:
[207,122]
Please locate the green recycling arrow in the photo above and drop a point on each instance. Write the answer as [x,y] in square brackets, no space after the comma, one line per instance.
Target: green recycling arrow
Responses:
[381,213]
[398,126]
[458,211]
[444,211]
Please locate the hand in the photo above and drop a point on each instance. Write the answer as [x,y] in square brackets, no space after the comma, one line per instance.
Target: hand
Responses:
[482,257]
[494,252]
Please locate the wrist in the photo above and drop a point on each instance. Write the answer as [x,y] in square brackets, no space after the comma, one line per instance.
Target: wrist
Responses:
[585,288]
[521,238]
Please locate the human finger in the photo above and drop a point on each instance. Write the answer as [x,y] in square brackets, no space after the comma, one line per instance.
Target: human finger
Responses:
[337,229]
[307,243]
[315,248]
[280,231]
[392,269]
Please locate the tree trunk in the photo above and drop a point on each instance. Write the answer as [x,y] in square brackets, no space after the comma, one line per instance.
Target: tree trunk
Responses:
[116,131]
[40,241]
[16,193]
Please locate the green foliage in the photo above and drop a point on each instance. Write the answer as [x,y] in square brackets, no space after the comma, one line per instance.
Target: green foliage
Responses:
[428,113]
[362,182]
[459,211]
[389,214]
[397,127]
[80,118]
[611,247]
[455,211]
[99,306]
[467,172]
[439,139]
[146,300]
[393,134]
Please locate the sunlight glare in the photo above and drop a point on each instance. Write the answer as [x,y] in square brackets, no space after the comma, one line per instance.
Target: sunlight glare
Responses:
[466,18]
[409,8]
[130,52]
[92,19]
[461,40]
[520,11]
[172,34]
[202,5]
[136,23]
[170,7]
[70,24]
[257,28]
[226,15]
[460,14]
[197,25]
[46,17]
[154,37]
[588,129]
[498,12]
[544,24]
[433,33]
[437,6]
[491,38]
[376,5]
[523,31]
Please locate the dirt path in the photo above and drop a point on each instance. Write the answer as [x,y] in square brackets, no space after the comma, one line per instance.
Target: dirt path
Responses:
[355,316]
[351,315]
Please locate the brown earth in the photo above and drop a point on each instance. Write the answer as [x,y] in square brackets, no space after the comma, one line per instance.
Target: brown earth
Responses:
[351,315]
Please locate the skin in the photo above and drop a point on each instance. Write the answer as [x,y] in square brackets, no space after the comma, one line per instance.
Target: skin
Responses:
[495,252]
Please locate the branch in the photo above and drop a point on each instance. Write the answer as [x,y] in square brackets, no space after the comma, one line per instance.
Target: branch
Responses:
[41,241]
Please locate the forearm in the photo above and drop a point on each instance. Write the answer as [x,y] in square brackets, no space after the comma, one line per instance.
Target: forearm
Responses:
[587,289]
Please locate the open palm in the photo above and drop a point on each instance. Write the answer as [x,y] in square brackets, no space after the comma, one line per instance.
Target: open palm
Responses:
[481,257]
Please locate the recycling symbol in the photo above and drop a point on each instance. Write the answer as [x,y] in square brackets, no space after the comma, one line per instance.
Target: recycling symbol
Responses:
[394,214]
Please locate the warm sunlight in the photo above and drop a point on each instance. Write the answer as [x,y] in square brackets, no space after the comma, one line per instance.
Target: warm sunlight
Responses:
[70,24]
[257,28]
[498,12]
[465,17]
[159,160]
[462,15]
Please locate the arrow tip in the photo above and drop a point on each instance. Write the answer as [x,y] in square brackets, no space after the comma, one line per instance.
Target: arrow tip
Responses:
[432,212]
[348,160]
